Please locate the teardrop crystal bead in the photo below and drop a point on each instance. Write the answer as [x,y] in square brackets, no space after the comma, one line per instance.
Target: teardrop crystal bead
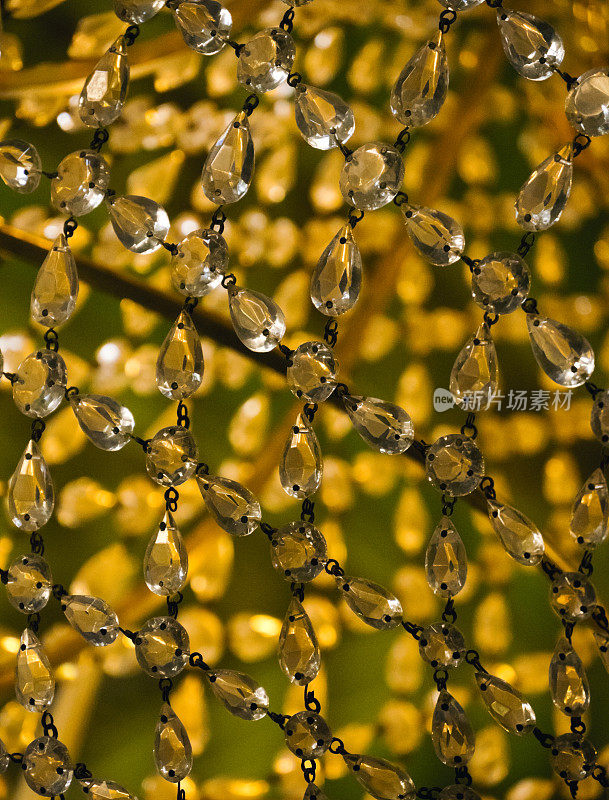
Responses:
[20,166]
[337,278]
[140,224]
[103,96]
[106,790]
[384,426]
[179,366]
[505,704]
[106,423]
[298,551]
[266,59]
[199,263]
[34,681]
[227,172]
[56,286]
[258,321]
[380,778]
[531,45]
[451,733]
[372,176]
[28,583]
[234,507]
[311,372]
[501,282]
[446,560]
[241,695]
[299,655]
[599,416]
[568,680]
[562,353]
[172,748]
[92,617]
[81,183]
[438,237]
[31,497]
[587,103]
[205,25]
[172,455]
[166,559]
[420,90]
[39,383]
[519,536]
[572,596]
[475,373]
[135,12]
[301,467]
[373,604]
[323,118]
[545,192]
[590,512]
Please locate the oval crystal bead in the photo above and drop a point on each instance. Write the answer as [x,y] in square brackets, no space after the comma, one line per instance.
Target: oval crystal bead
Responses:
[172,748]
[380,778]
[31,497]
[162,647]
[39,383]
[140,224]
[227,172]
[446,560]
[298,651]
[373,604]
[103,96]
[266,59]
[205,25]
[179,366]
[106,423]
[562,353]
[590,512]
[531,45]
[336,280]
[501,282]
[568,680]
[438,237]
[20,166]
[47,766]
[199,264]
[442,645]
[323,118]
[258,321]
[572,597]
[56,286]
[587,103]
[311,371]
[572,757]
[544,194]
[383,426]
[301,466]
[171,456]
[454,464]
[82,180]
[420,90]
[241,695]
[105,790]
[92,617]
[451,732]
[137,11]
[29,583]
[307,735]
[298,551]
[166,559]
[34,681]
[519,536]
[599,416]
[234,507]
[372,176]
[506,705]
[474,378]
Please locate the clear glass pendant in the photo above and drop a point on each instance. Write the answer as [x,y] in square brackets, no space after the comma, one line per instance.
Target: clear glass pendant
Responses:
[380,778]
[572,757]
[135,12]
[568,680]
[172,748]
[572,596]
[420,90]
[519,536]
[106,423]
[372,176]
[544,194]
[31,497]
[103,95]
[166,559]
[20,166]
[40,382]
[234,507]
[454,464]
[437,237]
[55,289]
[599,417]
[105,790]
[323,118]
[34,681]
[47,767]
[258,321]
[29,583]
[92,617]
[172,456]
[140,224]
[228,169]
[81,184]
[590,512]
[241,695]
[506,705]
[446,560]
[205,25]
[562,353]
[307,735]
[299,655]
[179,366]
[199,264]
[311,372]
[162,647]
[373,604]
[501,282]
[451,732]
[384,426]
[266,60]
[475,372]
[301,466]
[298,551]
[587,104]
[442,645]
[337,278]
[531,45]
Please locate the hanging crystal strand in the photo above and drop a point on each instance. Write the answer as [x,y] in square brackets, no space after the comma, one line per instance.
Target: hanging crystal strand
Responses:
[103,96]
[531,45]
[544,194]
[337,278]
[420,90]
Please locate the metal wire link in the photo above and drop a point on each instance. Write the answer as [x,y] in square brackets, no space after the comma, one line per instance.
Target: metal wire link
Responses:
[308,510]
[48,725]
[171,499]
[51,340]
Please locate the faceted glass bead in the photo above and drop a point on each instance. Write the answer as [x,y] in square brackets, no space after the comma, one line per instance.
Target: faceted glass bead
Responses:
[442,645]
[506,705]
[372,176]
[162,647]
[227,172]
[106,790]
[166,559]
[446,560]
[29,583]
[337,278]
[92,617]
[205,25]
[572,756]
[323,118]
[572,596]
[307,735]
[298,551]
[562,353]
[34,681]
[266,60]
[106,423]
[438,237]
[47,766]
[103,96]
[234,507]
[501,282]
[475,372]
[454,465]
[40,383]
[241,695]
[545,192]
[519,536]
[420,90]
[590,512]
[31,497]
[313,792]
[587,104]
[172,455]
[568,680]
[179,366]
[373,604]
[82,180]
[380,778]
[312,371]
[599,417]
[384,426]
[20,166]
[301,466]
[140,224]
[299,655]
[172,748]
[531,45]
[135,12]
[56,286]
[258,321]
[457,791]
[451,733]
[199,264]
[4,758]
